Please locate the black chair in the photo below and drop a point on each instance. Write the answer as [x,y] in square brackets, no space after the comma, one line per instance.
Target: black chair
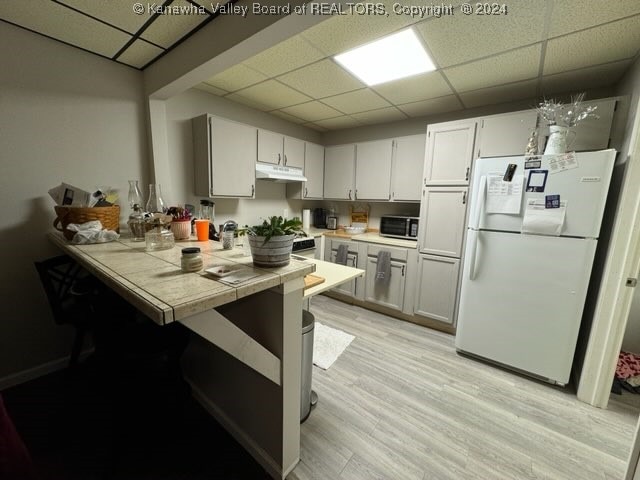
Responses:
[67,286]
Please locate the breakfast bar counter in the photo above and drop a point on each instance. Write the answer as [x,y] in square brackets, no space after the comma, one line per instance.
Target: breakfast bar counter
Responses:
[244,363]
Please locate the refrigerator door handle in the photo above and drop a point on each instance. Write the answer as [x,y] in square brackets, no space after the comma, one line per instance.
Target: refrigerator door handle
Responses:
[473,239]
[478,204]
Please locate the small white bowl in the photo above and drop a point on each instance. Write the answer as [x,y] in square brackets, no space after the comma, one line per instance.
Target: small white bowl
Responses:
[354,230]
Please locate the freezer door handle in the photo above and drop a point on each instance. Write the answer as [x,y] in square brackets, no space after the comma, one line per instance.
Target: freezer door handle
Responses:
[478,204]
[473,239]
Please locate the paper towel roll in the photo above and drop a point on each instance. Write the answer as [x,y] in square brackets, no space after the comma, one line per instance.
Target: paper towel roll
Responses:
[306,219]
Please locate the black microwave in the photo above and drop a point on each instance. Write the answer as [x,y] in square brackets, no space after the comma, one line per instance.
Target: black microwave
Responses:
[399,226]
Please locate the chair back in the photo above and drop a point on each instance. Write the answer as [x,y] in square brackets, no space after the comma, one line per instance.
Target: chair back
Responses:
[58,276]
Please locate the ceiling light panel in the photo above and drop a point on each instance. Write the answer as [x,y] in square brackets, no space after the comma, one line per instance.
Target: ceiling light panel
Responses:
[397,56]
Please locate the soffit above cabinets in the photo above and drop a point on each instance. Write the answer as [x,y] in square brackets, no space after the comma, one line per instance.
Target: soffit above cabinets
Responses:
[538,48]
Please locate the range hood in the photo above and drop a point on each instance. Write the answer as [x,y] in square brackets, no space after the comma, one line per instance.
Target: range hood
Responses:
[277,173]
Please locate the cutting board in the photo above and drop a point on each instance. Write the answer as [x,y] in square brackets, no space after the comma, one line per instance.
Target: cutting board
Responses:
[312,281]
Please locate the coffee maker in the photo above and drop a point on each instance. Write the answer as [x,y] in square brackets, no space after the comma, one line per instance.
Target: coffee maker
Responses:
[319,218]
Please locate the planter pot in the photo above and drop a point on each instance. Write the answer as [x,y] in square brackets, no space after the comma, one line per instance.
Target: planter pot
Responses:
[181,229]
[275,253]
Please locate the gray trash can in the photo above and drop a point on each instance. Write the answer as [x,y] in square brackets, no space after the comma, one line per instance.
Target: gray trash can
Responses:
[307,397]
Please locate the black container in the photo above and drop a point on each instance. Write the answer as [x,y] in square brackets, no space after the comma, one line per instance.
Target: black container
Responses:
[319,218]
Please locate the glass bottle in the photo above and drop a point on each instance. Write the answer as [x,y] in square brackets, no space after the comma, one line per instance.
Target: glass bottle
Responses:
[155,202]
[135,195]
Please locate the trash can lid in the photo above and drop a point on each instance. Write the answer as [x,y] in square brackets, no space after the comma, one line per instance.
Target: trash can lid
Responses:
[307,321]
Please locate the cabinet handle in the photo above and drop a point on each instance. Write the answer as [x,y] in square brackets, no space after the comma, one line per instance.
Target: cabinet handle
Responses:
[253,190]
[279,158]
[464,198]
[403,270]
[285,159]
[349,194]
[306,192]
[355,194]
[466,175]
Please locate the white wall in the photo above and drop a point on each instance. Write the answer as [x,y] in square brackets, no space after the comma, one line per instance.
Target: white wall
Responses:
[270,197]
[65,115]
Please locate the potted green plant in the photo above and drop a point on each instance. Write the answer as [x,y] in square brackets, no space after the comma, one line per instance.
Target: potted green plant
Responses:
[180,222]
[272,240]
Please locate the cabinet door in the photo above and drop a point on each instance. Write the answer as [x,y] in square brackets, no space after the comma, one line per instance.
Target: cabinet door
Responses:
[442,216]
[293,152]
[347,288]
[449,152]
[373,170]
[389,294]
[407,166]
[437,288]
[270,147]
[339,165]
[504,135]
[234,149]
[314,171]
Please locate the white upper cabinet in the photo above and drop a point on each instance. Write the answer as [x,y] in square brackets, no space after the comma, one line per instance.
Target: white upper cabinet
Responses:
[293,152]
[406,168]
[279,149]
[270,147]
[373,170]
[442,215]
[314,171]
[506,134]
[339,172]
[449,152]
[225,157]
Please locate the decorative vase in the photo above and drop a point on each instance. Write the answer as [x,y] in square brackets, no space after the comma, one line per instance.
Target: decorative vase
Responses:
[557,142]
[274,253]
[181,229]
[135,195]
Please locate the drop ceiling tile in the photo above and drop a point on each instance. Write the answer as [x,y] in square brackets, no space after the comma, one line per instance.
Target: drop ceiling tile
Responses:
[115,12]
[344,32]
[358,101]
[455,39]
[273,95]
[248,102]
[432,106]
[500,94]
[236,78]
[607,43]
[585,78]
[571,15]
[139,53]
[287,117]
[316,127]
[414,88]
[312,111]
[64,24]
[321,79]
[168,29]
[520,64]
[284,57]
[382,115]
[338,123]
[211,89]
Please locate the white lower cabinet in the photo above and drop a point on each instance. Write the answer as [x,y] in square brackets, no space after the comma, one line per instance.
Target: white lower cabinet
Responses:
[388,294]
[331,252]
[437,287]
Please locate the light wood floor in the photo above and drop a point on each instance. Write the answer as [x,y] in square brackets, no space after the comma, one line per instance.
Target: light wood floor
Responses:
[399,403]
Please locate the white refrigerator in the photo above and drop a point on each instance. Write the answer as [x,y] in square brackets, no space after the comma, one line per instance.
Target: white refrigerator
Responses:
[522,294]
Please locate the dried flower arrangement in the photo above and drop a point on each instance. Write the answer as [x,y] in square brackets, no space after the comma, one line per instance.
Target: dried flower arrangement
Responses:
[555,113]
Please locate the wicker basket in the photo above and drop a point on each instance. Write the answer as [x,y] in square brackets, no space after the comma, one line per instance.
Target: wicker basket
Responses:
[108,216]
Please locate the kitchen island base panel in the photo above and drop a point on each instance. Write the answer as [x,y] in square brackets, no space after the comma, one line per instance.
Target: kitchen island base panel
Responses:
[262,416]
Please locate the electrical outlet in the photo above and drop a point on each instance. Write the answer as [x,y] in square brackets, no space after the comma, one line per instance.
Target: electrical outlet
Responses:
[285,213]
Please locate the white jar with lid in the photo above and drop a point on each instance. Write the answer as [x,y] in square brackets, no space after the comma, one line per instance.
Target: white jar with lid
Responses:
[191,260]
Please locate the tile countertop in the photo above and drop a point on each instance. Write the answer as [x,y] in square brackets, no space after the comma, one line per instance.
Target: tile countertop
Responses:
[155,284]
[372,236]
